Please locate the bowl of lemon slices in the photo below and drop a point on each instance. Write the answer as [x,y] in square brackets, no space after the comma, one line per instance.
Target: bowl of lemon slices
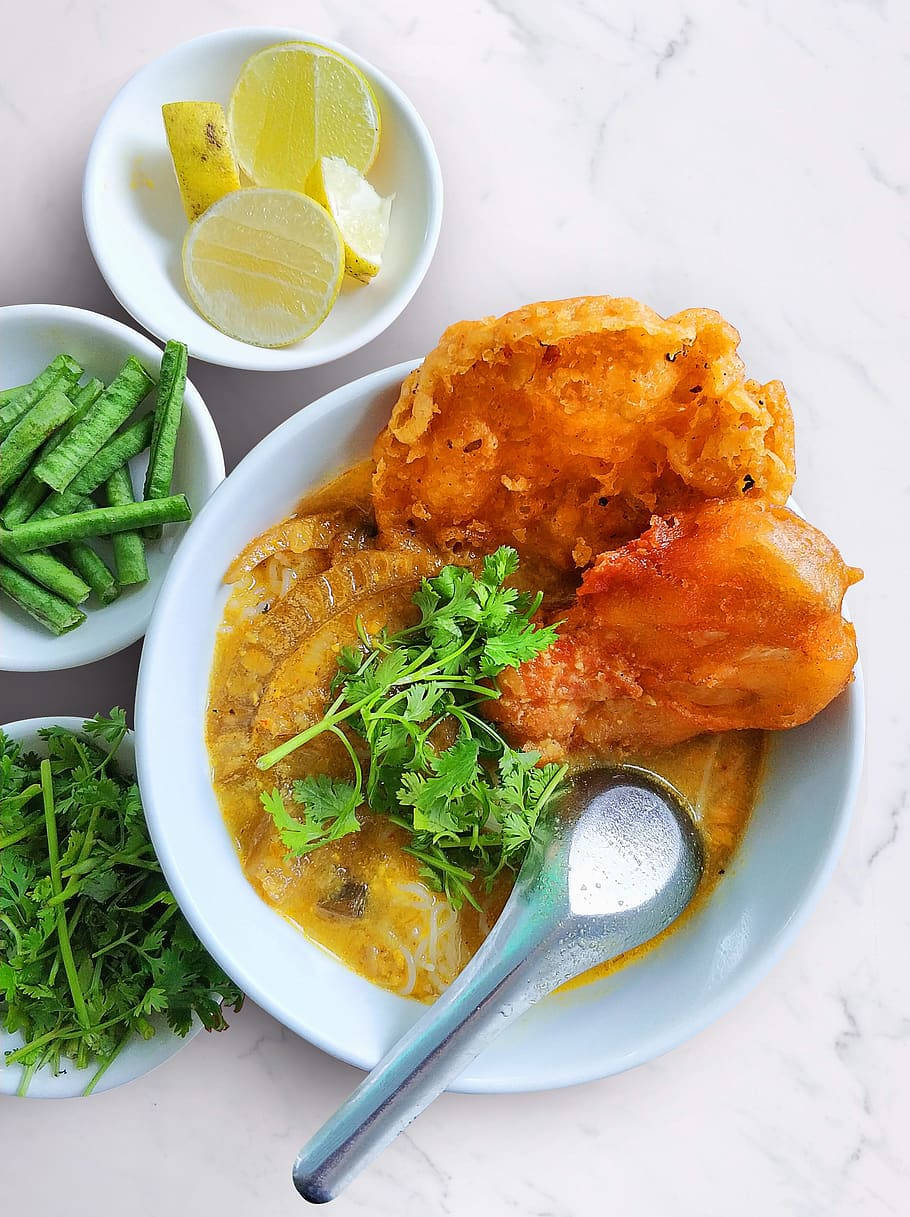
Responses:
[275,199]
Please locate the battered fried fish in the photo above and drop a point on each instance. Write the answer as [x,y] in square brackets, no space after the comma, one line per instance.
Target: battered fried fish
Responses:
[562,427]
[725,617]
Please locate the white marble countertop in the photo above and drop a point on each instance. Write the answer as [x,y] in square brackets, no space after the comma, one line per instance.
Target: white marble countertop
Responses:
[752,157]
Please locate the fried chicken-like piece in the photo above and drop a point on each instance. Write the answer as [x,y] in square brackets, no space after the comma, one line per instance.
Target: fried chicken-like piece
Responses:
[562,427]
[726,617]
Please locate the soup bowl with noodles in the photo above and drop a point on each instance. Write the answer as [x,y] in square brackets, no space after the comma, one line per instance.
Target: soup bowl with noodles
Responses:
[343,944]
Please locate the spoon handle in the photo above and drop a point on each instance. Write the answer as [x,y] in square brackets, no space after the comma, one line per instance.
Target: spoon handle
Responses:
[501,982]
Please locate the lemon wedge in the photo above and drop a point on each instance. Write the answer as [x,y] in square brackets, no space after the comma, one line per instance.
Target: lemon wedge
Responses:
[361,214]
[264,266]
[201,151]
[295,102]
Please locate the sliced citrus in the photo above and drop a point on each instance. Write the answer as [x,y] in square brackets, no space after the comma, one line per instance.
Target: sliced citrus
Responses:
[361,214]
[264,266]
[201,151]
[295,102]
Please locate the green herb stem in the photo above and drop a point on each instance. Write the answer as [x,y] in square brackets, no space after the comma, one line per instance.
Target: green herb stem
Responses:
[106,1064]
[53,854]
[331,720]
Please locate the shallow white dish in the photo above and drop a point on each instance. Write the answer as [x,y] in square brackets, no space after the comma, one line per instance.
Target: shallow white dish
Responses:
[139,1056]
[599,1029]
[30,336]
[135,222]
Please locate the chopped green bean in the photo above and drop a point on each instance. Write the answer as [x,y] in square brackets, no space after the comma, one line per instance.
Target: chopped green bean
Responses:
[53,574]
[168,412]
[129,548]
[39,534]
[63,370]
[54,613]
[116,452]
[112,408]
[93,569]
[28,495]
[8,394]
[48,413]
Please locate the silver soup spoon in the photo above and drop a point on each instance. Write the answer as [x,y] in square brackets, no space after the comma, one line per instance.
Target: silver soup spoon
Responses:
[617,863]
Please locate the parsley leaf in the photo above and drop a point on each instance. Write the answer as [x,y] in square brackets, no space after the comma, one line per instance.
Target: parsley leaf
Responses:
[329,812]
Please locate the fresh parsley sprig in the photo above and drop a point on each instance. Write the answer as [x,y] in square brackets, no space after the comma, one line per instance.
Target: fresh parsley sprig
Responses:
[436,767]
[92,943]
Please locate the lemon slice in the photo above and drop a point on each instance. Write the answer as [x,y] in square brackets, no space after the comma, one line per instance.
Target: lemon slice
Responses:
[295,102]
[203,162]
[361,214]
[264,266]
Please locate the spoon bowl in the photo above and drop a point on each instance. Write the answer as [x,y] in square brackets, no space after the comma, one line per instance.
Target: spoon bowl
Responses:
[616,864]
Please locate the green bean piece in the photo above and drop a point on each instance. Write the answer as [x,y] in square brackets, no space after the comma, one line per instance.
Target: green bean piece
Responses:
[129,548]
[46,415]
[168,412]
[54,613]
[116,452]
[8,394]
[53,574]
[94,570]
[30,492]
[102,521]
[63,370]
[113,407]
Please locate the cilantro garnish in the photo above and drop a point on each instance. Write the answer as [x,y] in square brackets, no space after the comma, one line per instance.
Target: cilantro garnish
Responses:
[92,943]
[470,806]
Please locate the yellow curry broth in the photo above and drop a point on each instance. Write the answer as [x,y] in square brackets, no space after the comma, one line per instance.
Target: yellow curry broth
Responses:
[362,897]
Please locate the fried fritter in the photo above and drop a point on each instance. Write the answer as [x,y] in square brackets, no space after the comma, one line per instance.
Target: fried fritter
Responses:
[562,427]
[725,617]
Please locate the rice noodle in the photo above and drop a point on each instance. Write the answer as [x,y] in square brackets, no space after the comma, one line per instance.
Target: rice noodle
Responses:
[431,947]
[411,969]
[419,893]
[710,761]
[432,939]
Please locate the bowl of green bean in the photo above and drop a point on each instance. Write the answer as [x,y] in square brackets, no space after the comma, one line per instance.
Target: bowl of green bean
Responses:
[106,452]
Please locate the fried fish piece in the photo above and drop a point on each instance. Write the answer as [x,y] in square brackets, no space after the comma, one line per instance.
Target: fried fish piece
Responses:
[725,617]
[562,427]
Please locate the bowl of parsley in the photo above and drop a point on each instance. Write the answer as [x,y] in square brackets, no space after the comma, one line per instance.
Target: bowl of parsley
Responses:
[101,978]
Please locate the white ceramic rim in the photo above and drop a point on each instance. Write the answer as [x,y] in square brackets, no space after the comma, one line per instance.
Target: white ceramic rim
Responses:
[130,1065]
[298,355]
[71,654]
[270,449]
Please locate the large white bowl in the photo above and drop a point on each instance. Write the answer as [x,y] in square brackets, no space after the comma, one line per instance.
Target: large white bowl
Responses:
[135,222]
[140,1056]
[602,1028]
[30,336]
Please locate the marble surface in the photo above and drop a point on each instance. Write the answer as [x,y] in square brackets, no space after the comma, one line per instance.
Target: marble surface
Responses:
[749,156]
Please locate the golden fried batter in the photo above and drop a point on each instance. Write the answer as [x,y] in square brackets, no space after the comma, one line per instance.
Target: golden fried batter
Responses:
[726,617]
[560,428]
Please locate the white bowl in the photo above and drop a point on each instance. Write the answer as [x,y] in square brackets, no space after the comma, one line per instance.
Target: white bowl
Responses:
[599,1029]
[135,222]
[139,1056]
[30,336]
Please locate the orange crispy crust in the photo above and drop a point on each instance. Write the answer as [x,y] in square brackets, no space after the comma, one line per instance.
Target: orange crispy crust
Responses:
[727,617]
[561,427]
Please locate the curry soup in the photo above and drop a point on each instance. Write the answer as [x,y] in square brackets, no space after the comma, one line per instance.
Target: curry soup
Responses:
[297,595]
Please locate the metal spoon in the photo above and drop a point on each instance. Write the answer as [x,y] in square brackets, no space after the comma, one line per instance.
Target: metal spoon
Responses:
[613,868]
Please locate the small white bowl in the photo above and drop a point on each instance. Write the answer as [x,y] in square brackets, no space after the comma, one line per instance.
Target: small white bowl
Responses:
[139,1056]
[788,852]
[135,222]
[30,336]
